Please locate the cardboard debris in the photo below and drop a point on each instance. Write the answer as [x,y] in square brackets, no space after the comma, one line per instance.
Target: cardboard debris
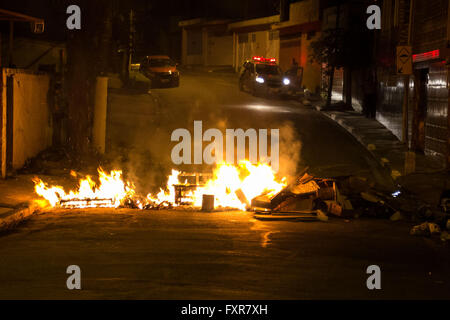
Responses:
[299,200]
[296,215]
[445,236]
[241,196]
[295,204]
[321,216]
[420,230]
[310,187]
[344,197]
[425,229]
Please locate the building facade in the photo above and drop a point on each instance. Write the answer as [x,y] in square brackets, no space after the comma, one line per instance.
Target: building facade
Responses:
[423,122]
[206,43]
[254,37]
[296,34]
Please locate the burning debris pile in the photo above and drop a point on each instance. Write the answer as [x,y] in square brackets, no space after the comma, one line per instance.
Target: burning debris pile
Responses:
[245,187]
[229,186]
[109,192]
[312,198]
[306,198]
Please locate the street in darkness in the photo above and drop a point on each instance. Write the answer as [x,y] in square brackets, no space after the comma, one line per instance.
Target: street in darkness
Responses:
[224,151]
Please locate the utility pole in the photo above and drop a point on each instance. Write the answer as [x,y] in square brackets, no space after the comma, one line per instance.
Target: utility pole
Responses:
[410,157]
[405,124]
[130,46]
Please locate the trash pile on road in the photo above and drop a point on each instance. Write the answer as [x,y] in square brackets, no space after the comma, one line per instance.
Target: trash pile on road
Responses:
[436,219]
[312,198]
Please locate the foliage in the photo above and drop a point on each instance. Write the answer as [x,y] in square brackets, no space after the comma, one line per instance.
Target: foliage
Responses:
[344,47]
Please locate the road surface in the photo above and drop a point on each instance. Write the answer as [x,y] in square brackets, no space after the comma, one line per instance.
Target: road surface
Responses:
[224,255]
[130,254]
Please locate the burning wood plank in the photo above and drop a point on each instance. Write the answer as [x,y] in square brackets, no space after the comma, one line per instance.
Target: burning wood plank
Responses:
[87,203]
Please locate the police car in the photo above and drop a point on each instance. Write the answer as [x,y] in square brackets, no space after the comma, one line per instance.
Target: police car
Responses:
[262,76]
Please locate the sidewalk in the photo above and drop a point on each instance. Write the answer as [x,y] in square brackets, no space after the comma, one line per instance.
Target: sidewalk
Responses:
[17,201]
[429,179]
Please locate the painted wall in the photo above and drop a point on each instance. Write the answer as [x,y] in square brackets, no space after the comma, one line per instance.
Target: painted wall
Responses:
[311,71]
[32,124]
[258,43]
[194,47]
[297,44]
[289,49]
[220,50]
[205,46]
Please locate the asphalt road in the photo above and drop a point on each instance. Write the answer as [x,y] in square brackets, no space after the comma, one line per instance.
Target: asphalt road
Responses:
[130,254]
[224,255]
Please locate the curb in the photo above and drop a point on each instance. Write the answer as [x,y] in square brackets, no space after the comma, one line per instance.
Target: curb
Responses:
[10,219]
[350,130]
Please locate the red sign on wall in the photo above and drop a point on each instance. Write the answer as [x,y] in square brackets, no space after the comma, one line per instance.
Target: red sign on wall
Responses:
[430,55]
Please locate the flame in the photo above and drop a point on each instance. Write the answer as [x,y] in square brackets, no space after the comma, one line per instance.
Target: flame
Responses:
[252,180]
[111,191]
[232,186]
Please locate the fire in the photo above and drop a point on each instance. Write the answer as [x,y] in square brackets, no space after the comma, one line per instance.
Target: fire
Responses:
[252,180]
[110,192]
[232,187]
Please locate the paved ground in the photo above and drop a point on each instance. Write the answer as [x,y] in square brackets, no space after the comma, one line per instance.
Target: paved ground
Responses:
[184,255]
[187,255]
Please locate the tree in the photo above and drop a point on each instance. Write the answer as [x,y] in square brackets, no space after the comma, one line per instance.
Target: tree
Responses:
[346,45]
[87,57]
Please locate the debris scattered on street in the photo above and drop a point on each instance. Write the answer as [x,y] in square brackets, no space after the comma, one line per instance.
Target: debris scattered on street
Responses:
[397,216]
[445,236]
[425,229]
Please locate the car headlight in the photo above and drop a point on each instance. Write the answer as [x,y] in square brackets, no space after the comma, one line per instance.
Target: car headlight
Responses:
[286,81]
[259,80]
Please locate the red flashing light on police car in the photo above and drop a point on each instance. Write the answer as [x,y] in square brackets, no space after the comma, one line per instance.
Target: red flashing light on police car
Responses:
[262,59]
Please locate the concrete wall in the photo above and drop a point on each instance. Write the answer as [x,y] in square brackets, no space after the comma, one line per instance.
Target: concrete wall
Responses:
[194,47]
[258,43]
[220,50]
[31,118]
[296,35]
[289,49]
[207,46]
[311,71]
[28,51]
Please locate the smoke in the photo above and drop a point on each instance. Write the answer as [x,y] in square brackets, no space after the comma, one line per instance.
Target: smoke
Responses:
[141,128]
[148,163]
[290,150]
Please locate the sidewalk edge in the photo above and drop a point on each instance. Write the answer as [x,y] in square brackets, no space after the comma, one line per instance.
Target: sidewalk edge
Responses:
[350,130]
[16,216]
